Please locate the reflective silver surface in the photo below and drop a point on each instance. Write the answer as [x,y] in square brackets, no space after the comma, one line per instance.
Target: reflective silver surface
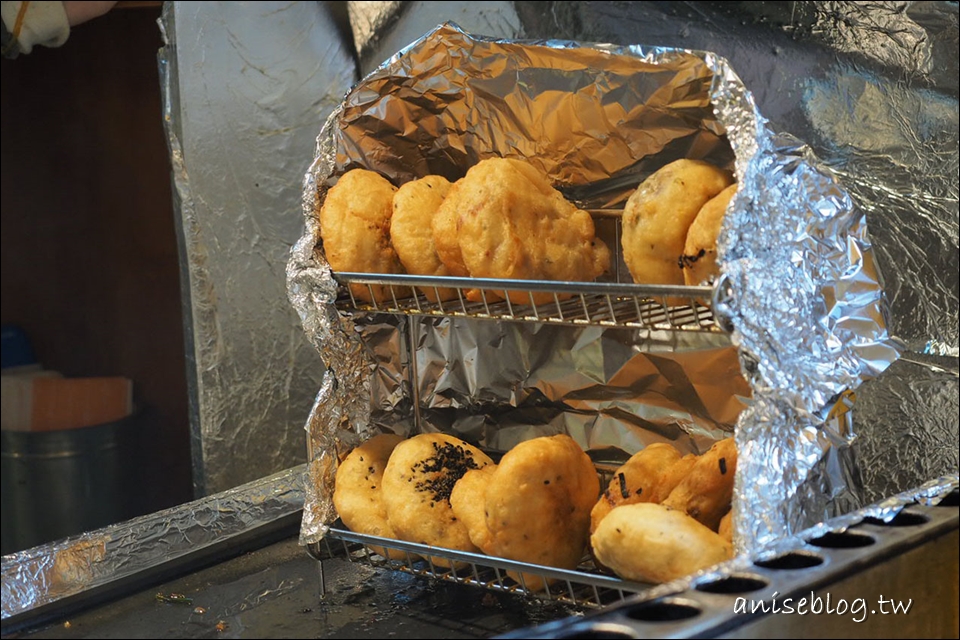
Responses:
[246,86]
[49,573]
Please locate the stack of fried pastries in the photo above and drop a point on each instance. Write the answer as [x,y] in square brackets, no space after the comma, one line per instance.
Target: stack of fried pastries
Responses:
[659,517]
[655,521]
[503,219]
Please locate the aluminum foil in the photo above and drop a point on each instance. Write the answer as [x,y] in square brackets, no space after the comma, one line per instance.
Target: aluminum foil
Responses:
[49,573]
[801,290]
[369,20]
[244,85]
[908,424]
[612,390]
[871,86]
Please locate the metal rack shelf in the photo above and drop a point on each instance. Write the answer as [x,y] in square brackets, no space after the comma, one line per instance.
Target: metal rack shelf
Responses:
[584,587]
[611,304]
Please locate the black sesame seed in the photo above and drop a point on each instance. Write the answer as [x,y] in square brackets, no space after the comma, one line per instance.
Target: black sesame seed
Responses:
[449,463]
[623,485]
[723,466]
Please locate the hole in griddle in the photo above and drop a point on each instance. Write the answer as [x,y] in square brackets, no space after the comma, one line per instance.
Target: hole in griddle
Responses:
[733,584]
[842,540]
[663,611]
[790,561]
[951,500]
[902,519]
[598,632]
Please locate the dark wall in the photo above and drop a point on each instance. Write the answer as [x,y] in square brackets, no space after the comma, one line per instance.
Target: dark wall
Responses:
[89,245]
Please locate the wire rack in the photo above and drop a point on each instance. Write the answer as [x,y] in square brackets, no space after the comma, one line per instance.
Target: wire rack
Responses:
[584,587]
[614,304]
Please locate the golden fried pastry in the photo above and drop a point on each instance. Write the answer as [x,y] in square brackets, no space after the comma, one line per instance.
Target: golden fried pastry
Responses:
[468,500]
[536,505]
[699,259]
[726,527]
[648,542]
[444,225]
[414,206]
[355,228]
[510,223]
[659,213]
[357,495]
[417,483]
[705,493]
[636,480]
[674,474]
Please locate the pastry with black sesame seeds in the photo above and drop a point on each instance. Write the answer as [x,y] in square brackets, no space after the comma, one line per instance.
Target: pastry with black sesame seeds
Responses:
[536,505]
[417,484]
[699,259]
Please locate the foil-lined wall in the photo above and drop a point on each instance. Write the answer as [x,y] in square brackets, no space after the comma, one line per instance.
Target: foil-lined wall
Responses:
[246,87]
[380,29]
[801,288]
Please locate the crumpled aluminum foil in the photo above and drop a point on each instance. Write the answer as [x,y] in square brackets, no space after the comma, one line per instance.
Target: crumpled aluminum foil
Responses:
[801,290]
[49,573]
[908,424]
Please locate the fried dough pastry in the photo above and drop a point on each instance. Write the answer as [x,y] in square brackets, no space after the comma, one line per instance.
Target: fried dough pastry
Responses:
[674,474]
[699,259]
[705,493]
[510,223]
[659,213]
[444,225]
[357,495]
[355,227]
[417,483]
[639,479]
[648,542]
[468,500]
[536,505]
[726,527]
[414,206]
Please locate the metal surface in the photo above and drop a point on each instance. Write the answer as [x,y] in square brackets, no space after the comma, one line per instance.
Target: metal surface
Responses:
[382,28]
[246,86]
[48,579]
[606,304]
[89,473]
[584,588]
[272,592]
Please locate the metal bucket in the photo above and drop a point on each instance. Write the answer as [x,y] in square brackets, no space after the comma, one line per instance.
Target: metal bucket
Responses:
[61,483]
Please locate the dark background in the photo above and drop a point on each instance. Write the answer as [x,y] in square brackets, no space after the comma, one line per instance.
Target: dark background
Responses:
[88,230]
